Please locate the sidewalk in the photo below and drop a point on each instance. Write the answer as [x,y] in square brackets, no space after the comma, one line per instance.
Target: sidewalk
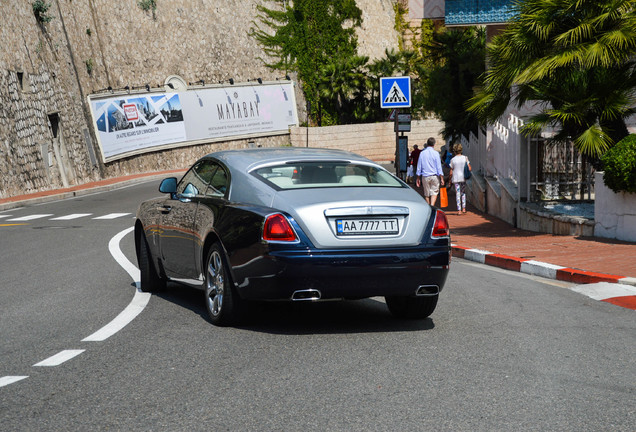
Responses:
[485,238]
[475,236]
[608,266]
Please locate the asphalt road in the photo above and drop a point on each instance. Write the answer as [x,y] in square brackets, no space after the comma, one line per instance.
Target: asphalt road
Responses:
[503,350]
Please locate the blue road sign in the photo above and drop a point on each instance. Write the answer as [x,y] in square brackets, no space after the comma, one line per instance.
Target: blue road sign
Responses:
[395,92]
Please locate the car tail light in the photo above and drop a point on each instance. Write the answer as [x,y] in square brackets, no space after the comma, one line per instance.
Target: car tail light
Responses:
[277,228]
[440,227]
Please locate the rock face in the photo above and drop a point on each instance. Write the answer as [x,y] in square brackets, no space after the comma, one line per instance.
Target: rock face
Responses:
[50,67]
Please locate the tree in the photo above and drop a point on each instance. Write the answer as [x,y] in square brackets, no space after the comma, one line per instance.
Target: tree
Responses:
[575,58]
[307,35]
[342,87]
[458,58]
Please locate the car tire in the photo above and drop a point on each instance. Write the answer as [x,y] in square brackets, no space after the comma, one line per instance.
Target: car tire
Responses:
[150,279]
[223,304]
[411,307]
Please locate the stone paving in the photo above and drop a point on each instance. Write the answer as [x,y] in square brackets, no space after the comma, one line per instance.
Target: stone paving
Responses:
[481,231]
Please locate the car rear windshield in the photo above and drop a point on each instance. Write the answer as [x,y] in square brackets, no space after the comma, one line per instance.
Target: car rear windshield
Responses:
[301,175]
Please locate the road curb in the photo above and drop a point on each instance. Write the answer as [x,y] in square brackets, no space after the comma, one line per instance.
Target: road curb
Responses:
[538,268]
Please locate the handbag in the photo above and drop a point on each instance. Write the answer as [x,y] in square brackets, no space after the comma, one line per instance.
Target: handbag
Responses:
[467,173]
[443,197]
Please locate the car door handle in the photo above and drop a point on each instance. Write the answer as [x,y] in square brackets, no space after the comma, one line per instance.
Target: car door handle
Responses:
[164,209]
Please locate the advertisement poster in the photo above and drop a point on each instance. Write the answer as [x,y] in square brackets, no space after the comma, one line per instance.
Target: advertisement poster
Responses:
[135,123]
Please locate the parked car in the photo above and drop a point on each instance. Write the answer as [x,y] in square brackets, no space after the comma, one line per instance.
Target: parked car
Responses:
[293,224]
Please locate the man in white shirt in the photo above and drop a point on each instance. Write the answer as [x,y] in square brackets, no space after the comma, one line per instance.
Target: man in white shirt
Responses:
[429,172]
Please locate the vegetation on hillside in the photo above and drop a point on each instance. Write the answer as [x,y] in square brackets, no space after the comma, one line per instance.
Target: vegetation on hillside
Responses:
[317,40]
[306,36]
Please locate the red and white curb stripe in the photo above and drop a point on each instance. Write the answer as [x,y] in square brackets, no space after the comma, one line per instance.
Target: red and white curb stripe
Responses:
[618,290]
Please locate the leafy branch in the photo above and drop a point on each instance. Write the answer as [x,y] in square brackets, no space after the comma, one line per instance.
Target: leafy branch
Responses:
[40,10]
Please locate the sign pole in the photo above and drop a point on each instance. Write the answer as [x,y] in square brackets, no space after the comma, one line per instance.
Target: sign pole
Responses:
[395,93]
[396,163]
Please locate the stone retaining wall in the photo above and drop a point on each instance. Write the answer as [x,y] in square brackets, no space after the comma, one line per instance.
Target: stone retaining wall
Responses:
[375,141]
[47,70]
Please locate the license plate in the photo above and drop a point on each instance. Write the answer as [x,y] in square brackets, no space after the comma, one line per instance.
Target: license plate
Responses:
[383,226]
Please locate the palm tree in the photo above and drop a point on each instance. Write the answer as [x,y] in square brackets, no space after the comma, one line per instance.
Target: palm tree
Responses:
[342,88]
[575,58]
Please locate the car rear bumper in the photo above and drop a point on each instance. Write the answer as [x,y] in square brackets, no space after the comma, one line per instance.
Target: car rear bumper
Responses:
[335,274]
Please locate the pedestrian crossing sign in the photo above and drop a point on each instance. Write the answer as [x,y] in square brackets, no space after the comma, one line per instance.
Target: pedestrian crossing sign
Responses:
[395,92]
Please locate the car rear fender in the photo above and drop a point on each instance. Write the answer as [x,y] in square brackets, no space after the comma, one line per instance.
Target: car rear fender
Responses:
[239,230]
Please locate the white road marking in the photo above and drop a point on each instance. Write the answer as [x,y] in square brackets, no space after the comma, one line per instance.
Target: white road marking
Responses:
[72,216]
[6,380]
[5,216]
[112,216]
[30,217]
[605,290]
[60,358]
[136,306]
[138,303]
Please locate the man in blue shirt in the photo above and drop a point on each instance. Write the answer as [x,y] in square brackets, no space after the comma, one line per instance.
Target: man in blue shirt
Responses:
[429,170]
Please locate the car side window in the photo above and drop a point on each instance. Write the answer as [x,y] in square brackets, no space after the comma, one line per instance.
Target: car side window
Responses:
[218,183]
[195,181]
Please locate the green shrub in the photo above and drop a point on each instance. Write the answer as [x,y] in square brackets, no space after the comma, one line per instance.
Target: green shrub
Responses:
[89,66]
[619,164]
[40,10]
[147,5]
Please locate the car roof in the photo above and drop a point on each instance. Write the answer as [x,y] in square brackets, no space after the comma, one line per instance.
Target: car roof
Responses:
[246,159]
[247,188]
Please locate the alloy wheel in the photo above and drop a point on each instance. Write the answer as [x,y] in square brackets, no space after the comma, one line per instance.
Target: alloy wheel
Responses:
[215,283]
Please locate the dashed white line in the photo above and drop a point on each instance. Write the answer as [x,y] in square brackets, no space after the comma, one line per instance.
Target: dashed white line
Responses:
[112,216]
[72,216]
[60,358]
[5,216]
[28,218]
[6,380]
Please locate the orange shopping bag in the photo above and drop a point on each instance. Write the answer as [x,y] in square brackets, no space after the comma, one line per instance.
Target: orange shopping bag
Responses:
[443,197]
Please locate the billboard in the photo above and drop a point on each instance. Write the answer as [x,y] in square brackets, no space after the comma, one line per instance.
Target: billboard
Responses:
[128,124]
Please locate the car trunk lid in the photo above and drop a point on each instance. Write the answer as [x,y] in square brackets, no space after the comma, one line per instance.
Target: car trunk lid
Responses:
[349,217]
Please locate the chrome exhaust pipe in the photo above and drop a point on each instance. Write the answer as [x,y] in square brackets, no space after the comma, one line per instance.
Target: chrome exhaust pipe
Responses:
[427,291]
[306,295]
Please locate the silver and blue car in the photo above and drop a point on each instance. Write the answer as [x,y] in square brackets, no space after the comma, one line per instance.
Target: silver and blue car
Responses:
[293,224]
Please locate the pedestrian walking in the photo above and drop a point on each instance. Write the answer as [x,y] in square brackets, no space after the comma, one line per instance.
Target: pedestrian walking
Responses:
[458,164]
[429,172]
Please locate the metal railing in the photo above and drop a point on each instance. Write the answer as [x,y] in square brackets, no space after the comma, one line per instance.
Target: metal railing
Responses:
[561,173]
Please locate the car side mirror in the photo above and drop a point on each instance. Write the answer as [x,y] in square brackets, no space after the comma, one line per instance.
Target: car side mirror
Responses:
[168,185]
